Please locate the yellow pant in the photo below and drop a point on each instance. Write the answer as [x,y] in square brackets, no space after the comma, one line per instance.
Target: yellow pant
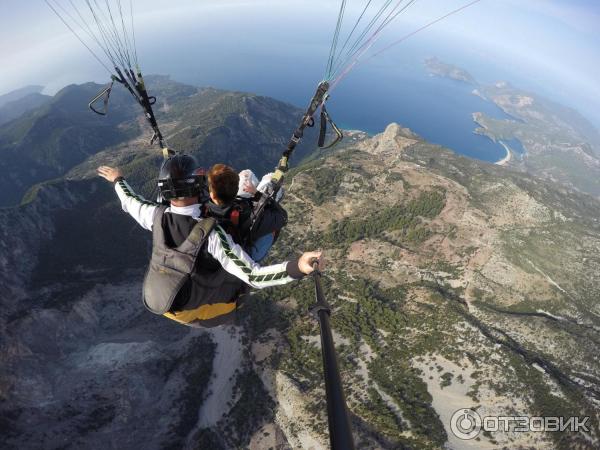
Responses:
[203,313]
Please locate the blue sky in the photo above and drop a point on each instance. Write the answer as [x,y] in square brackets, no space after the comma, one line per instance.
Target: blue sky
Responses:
[550,44]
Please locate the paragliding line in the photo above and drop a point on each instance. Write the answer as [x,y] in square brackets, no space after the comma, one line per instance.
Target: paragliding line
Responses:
[118,43]
[423,28]
[391,16]
[77,36]
[371,41]
[356,61]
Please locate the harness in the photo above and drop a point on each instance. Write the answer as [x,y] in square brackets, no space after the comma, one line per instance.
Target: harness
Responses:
[171,268]
[235,219]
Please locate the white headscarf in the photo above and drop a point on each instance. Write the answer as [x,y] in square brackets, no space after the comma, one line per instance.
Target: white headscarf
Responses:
[246,176]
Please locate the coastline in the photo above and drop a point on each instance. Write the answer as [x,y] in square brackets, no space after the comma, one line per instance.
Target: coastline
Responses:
[482,131]
[504,161]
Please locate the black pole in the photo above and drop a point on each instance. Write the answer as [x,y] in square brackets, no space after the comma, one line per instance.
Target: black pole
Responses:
[340,430]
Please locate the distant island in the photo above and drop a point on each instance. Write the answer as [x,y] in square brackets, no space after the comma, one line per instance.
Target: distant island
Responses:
[442,69]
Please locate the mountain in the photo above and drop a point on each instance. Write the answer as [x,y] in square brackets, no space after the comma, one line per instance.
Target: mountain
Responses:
[542,137]
[48,141]
[18,94]
[17,108]
[51,141]
[454,284]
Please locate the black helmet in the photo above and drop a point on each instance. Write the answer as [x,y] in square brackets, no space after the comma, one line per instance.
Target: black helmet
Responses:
[180,177]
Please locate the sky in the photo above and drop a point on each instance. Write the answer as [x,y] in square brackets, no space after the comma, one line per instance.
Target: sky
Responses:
[551,46]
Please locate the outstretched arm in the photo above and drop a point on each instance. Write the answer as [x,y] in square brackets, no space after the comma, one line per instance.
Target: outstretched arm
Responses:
[137,206]
[235,261]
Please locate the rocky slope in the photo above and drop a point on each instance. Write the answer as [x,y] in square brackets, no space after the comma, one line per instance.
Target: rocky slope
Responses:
[455,284]
[81,359]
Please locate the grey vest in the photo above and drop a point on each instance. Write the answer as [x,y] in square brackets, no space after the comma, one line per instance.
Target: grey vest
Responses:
[171,268]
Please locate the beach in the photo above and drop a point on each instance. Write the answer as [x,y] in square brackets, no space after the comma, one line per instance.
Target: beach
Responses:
[504,161]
